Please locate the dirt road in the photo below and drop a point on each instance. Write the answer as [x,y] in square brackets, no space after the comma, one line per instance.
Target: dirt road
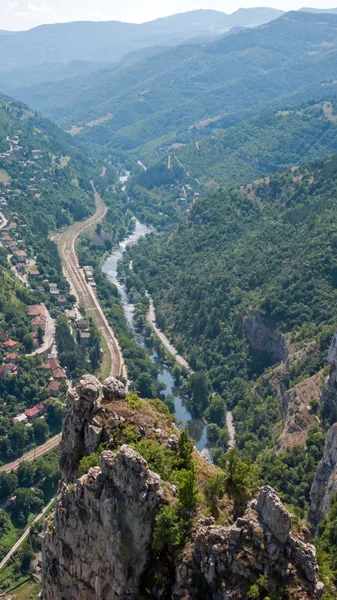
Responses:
[33,454]
[151,318]
[82,290]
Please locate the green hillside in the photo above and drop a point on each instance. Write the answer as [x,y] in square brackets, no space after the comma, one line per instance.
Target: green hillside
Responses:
[289,60]
[269,246]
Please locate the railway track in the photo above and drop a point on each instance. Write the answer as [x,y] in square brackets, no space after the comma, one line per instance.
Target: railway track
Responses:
[82,290]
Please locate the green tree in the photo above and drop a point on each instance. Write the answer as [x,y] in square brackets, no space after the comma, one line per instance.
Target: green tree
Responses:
[8,483]
[199,385]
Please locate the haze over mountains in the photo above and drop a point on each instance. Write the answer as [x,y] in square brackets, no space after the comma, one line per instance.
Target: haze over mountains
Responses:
[288,60]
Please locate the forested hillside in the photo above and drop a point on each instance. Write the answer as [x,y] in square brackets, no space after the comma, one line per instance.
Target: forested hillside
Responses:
[291,59]
[267,247]
[254,148]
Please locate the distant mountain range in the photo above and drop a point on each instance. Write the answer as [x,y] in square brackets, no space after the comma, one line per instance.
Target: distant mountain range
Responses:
[110,41]
[290,60]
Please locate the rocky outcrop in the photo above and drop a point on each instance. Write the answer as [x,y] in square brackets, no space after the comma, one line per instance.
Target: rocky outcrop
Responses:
[225,562]
[263,335]
[98,544]
[100,540]
[299,414]
[325,481]
[329,395]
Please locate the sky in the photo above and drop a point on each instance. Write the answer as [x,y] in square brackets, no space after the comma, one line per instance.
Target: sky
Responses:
[24,14]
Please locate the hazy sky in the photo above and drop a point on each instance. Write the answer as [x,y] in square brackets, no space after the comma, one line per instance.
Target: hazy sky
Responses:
[23,14]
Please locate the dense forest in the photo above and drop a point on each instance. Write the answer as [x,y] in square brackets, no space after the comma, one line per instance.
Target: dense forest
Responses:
[267,247]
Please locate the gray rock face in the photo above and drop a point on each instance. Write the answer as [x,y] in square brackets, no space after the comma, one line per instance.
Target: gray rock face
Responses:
[263,335]
[100,541]
[328,398]
[113,389]
[97,546]
[82,429]
[229,560]
[325,481]
[273,514]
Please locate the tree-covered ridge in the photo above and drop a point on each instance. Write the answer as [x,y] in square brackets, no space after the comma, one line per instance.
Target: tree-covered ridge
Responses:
[269,246]
[253,148]
[47,178]
[182,85]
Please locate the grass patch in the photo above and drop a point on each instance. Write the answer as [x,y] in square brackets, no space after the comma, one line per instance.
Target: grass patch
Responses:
[4,177]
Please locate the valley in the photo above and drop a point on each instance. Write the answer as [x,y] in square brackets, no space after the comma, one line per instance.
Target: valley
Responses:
[168,282]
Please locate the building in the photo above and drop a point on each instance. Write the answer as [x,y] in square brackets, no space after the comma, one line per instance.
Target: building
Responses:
[20,418]
[34,275]
[84,338]
[59,374]
[36,310]
[12,358]
[10,344]
[83,324]
[54,387]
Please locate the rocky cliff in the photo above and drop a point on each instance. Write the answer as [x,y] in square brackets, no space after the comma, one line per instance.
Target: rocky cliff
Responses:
[258,550]
[328,399]
[264,336]
[99,543]
[325,481]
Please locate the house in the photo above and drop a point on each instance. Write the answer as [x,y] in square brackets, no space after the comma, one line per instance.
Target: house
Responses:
[59,374]
[11,344]
[21,256]
[12,358]
[54,387]
[83,324]
[51,364]
[39,322]
[35,411]
[5,370]
[84,338]
[34,274]
[20,418]
[62,300]
[35,310]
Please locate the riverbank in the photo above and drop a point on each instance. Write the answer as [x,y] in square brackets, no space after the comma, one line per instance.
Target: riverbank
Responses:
[151,319]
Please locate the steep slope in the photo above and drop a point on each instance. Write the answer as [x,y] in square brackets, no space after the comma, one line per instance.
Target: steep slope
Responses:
[122,531]
[290,59]
[270,247]
[253,148]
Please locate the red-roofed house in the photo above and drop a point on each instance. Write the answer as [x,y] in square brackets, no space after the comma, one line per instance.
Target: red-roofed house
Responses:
[11,344]
[12,358]
[39,322]
[53,387]
[35,411]
[59,374]
[51,364]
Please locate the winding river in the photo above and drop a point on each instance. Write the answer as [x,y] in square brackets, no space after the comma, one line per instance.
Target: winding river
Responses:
[197,428]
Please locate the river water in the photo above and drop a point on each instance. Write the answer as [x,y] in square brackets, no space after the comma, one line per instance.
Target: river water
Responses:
[196,427]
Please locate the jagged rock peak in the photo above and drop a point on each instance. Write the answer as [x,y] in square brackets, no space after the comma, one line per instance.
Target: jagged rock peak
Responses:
[113,389]
[229,560]
[100,540]
[89,388]
[273,514]
[325,480]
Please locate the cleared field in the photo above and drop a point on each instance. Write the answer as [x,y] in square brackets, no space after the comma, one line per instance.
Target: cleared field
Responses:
[4,175]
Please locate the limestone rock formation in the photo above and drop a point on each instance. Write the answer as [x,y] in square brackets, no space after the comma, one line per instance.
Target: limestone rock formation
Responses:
[98,544]
[325,481]
[100,540]
[226,561]
[263,335]
[329,395]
